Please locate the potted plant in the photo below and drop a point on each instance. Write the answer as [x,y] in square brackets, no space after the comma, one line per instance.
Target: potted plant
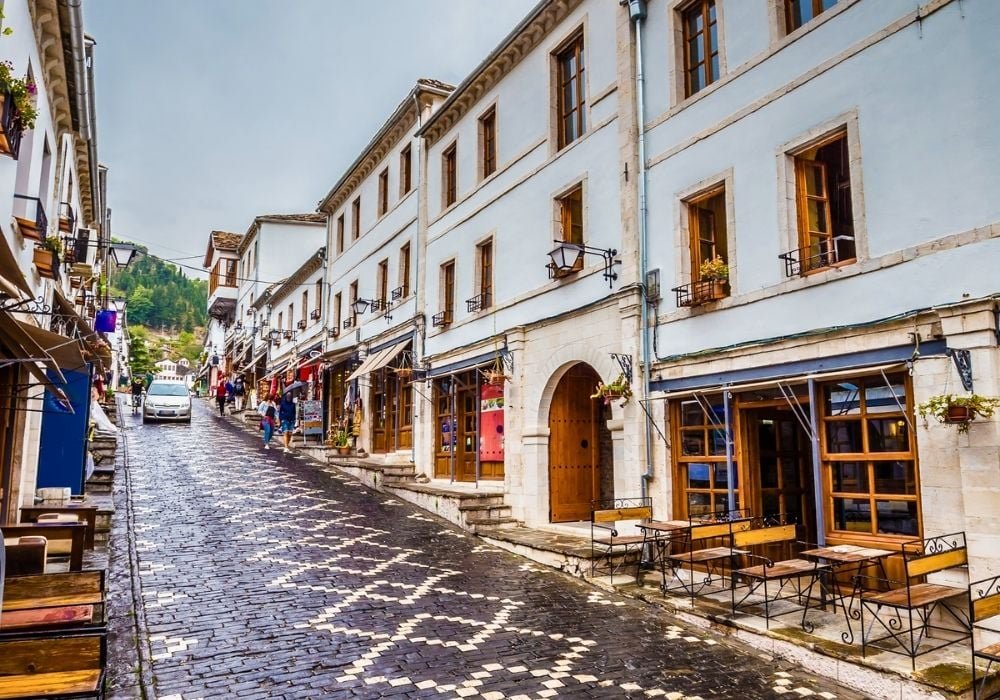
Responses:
[494,375]
[959,410]
[618,389]
[46,256]
[341,442]
[713,276]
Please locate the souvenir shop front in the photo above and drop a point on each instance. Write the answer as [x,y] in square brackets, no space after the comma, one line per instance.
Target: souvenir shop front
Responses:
[468,425]
[386,378]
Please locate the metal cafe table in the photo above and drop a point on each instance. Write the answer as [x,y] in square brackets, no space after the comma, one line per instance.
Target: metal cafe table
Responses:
[661,534]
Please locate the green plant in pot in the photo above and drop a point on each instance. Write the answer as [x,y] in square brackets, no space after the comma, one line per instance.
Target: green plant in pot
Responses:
[342,441]
[713,275]
[23,91]
[52,243]
[959,410]
[619,388]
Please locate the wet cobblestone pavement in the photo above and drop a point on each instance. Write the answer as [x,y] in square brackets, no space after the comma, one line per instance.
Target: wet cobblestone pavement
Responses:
[265,575]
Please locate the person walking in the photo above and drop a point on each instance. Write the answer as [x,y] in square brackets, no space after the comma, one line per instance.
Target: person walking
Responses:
[138,389]
[220,394]
[239,391]
[286,414]
[268,417]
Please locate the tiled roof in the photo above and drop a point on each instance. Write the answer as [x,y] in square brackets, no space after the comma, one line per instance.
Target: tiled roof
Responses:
[224,240]
[311,218]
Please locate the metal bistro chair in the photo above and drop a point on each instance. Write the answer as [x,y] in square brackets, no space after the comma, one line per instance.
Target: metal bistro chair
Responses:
[984,604]
[608,547]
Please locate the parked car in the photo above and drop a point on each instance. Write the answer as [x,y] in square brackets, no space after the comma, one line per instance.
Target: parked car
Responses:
[167,401]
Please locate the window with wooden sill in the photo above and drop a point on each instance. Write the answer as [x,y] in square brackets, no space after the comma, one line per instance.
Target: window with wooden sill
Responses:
[709,250]
[824,210]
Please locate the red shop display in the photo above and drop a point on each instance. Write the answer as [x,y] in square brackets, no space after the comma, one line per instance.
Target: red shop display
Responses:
[491,423]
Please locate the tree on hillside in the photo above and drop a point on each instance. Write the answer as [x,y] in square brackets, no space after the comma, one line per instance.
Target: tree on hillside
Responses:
[140,360]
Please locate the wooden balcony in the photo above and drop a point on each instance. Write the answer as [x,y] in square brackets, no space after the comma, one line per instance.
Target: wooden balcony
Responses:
[30,217]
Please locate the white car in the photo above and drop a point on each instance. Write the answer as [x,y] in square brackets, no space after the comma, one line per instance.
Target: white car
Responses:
[168,401]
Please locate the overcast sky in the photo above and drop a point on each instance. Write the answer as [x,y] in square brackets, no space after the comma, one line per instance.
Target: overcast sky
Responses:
[213,111]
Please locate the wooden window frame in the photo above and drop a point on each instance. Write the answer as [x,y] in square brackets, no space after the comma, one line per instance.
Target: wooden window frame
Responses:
[291,316]
[868,458]
[686,11]
[319,299]
[448,289]
[573,48]
[488,143]
[804,234]
[340,234]
[817,8]
[718,495]
[336,311]
[484,262]
[356,219]
[565,219]
[404,269]
[449,175]
[405,171]
[382,280]
[383,192]
[305,305]
[695,231]
[353,297]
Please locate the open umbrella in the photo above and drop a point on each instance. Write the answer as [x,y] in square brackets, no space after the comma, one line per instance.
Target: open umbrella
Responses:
[295,386]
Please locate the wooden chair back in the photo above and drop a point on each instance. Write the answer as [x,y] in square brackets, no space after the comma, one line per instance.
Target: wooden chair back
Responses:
[928,556]
[774,534]
[712,530]
[75,533]
[985,599]
[611,515]
[54,586]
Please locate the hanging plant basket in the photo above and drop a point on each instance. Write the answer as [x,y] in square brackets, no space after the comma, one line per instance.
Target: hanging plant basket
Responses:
[958,414]
[404,372]
[618,389]
[494,377]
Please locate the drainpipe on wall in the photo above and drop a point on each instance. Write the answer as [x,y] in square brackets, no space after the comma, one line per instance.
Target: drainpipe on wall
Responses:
[637,13]
[420,328]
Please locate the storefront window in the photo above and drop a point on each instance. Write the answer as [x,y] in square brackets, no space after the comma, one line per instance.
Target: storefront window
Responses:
[701,465]
[869,455]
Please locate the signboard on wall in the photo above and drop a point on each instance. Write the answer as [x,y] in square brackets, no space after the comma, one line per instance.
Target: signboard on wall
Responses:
[491,423]
[312,417]
[62,451]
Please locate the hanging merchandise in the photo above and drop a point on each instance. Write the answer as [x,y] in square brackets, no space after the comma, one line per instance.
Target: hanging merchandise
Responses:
[356,427]
[106,321]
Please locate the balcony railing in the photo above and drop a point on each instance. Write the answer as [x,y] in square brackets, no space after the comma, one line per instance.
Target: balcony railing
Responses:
[397,293]
[378,305]
[31,220]
[67,217]
[349,323]
[478,303]
[11,129]
[824,253]
[301,325]
[315,314]
[441,319]
[288,334]
[700,292]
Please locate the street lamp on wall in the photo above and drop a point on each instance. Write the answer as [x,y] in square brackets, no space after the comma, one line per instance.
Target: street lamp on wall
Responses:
[567,257]
[123,254]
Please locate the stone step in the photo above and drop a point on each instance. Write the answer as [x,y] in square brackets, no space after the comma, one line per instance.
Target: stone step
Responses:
[498,523]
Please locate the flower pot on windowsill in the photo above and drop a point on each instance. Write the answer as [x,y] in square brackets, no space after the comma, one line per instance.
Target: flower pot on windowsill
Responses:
[45,262]
[709,290]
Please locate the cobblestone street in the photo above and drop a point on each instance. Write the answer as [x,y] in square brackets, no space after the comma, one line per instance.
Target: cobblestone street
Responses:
[265,575]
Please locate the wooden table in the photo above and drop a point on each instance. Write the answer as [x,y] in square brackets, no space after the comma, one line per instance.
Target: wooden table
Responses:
[850,559]
[86,513]
[662,533]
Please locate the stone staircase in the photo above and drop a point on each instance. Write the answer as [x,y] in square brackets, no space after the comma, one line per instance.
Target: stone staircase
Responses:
[470,510]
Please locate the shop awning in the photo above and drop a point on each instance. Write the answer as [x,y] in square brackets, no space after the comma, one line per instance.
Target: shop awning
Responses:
[65,351]
[277,370]
[88,336]
[25,350]
[378,360]
[12,280]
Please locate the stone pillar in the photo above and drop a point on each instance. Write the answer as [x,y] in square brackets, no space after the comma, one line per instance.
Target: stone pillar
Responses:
[533,504]
[976,453]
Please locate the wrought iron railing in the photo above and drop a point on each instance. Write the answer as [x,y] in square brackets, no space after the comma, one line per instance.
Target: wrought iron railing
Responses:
[315,314]
[825,253]
[441,319]
[301,325]
[397,293]
[478,303]
[40,220]
[349,322]
[67,217]
[700,292]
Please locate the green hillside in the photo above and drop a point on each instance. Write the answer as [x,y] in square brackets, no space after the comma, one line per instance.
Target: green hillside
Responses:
[160,296]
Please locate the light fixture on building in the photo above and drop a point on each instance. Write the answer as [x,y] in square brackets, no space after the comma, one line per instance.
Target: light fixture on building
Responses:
[123,254]
[238,327]
[567,257]
[359,306]
[251,311]
[274,335]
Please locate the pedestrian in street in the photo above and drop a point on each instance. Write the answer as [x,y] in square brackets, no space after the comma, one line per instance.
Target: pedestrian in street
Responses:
[220,395]
[268,418]
[286,414]
[239,391]
[230,394]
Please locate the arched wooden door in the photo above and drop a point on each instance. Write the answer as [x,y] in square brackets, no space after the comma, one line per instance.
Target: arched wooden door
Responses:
[573,446]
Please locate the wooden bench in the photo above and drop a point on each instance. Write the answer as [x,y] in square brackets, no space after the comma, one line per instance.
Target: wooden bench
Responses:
[714,560]
[62,537]
[609,547]
[799,574]
[984,604]
[51,601]
[53,667]
[86,513]
[920,601]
